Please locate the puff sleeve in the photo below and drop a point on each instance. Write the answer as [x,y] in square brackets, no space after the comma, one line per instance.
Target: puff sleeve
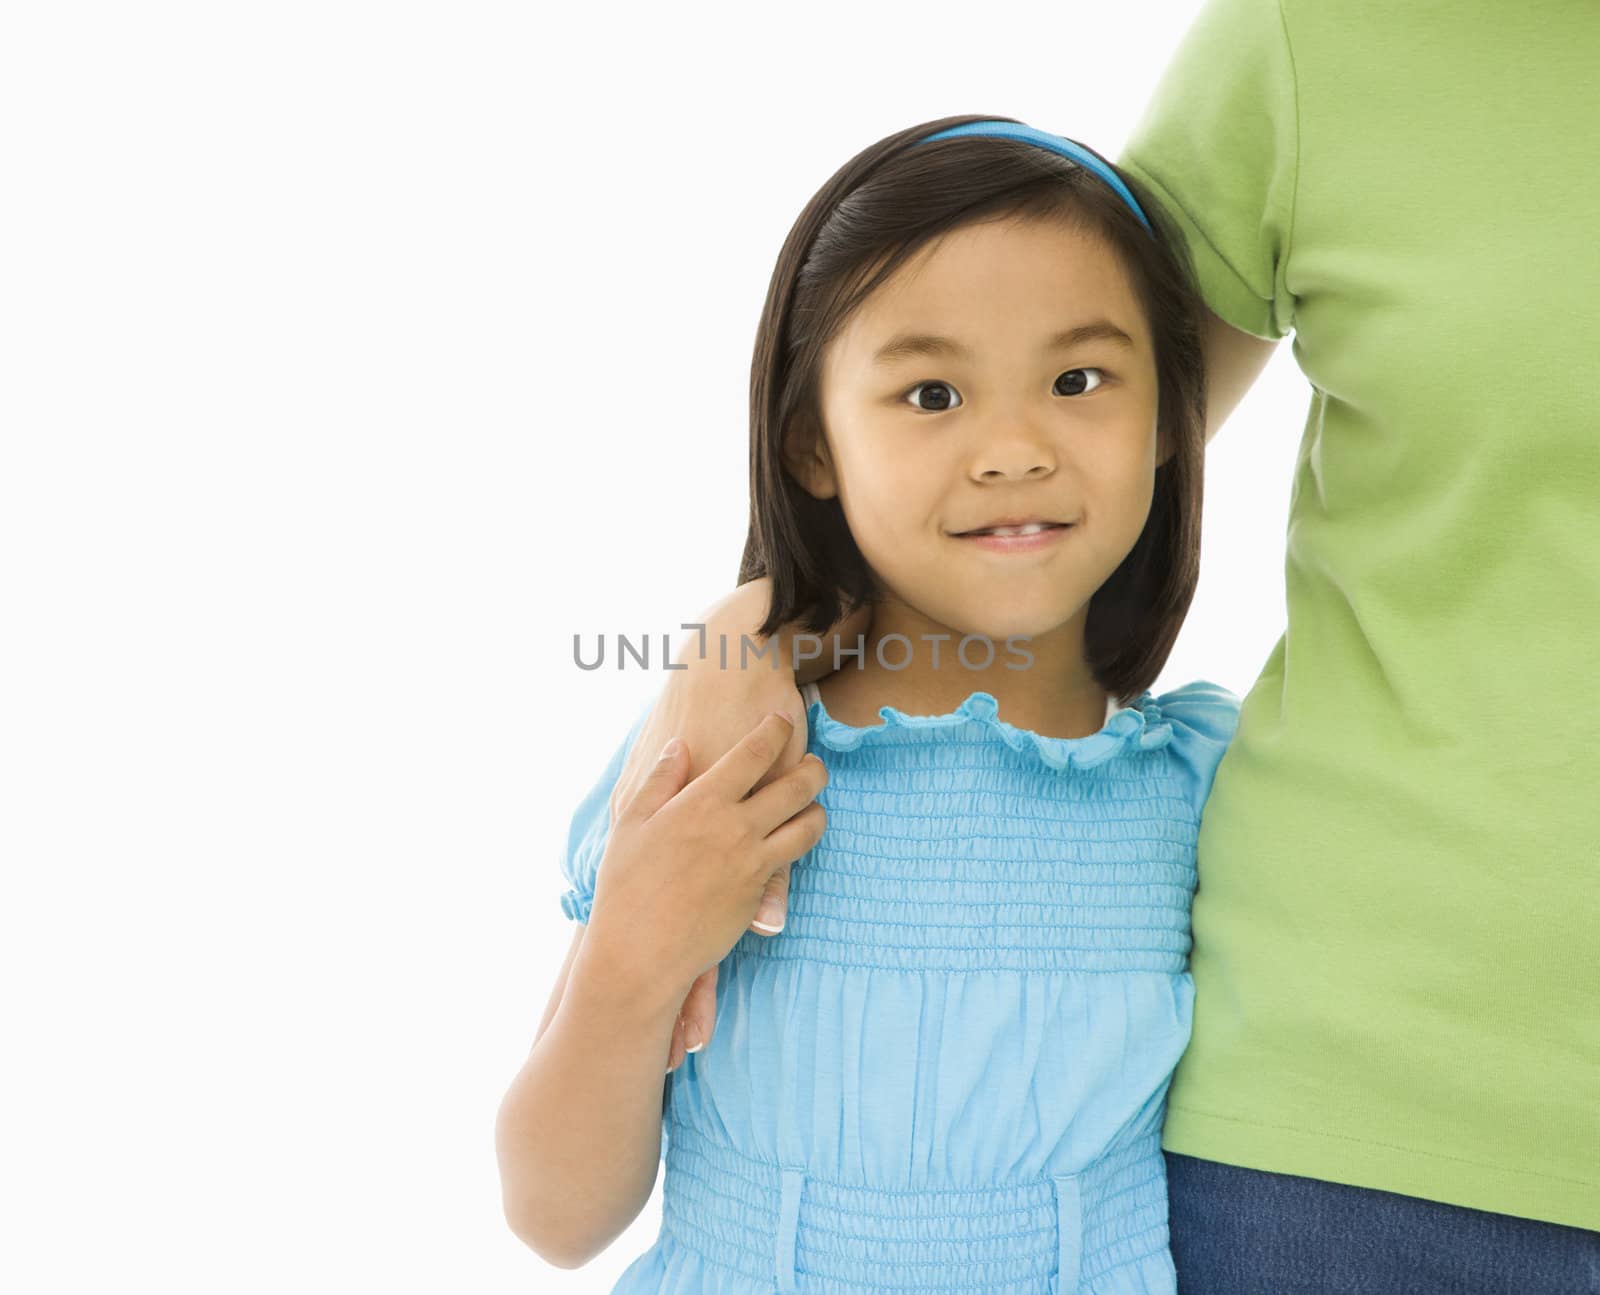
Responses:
[1219,147]
[590,828]
[1203,717]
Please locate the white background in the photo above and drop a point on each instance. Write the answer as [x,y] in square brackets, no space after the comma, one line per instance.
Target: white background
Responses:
[354,358]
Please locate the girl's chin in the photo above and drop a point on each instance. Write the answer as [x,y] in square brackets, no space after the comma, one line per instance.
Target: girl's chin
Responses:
[1000,618]
[999,629]
[993,610]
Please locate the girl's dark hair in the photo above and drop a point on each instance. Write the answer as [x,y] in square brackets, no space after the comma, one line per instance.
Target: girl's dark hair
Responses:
[876,211]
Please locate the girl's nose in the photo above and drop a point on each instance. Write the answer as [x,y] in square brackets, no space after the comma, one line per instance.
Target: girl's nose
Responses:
[1012,451]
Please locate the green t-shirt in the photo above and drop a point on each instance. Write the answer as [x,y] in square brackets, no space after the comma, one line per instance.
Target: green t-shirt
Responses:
[1397,930]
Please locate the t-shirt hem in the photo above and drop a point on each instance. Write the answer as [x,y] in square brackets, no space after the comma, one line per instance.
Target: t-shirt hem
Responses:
[1407,1171]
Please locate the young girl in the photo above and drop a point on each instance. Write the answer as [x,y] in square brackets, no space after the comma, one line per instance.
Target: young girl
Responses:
[978,409]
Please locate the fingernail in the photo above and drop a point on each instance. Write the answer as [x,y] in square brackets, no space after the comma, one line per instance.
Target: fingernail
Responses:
[677,1032]
[771,916]
[670,750]
[691,1039]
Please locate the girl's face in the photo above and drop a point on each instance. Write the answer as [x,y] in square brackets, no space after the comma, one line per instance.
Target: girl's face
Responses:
[1004,372]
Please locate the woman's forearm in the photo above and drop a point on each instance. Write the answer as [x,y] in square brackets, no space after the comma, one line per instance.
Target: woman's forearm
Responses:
[579,1132]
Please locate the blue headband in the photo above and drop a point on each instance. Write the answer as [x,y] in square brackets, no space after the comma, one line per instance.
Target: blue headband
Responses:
[1054,143]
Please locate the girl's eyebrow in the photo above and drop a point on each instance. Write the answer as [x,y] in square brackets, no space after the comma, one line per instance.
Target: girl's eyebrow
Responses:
[905,345]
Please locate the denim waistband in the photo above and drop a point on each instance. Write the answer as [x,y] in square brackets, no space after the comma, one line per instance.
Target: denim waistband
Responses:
[779,1225]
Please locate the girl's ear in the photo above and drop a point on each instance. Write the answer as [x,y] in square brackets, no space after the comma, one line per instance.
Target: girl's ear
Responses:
[806,456]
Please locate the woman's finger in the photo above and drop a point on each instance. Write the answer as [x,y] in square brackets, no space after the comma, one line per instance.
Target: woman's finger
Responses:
[676,1050]
[750,759]
[664,781]
[783,798]
[699,1012]
[791,841]
[773,911]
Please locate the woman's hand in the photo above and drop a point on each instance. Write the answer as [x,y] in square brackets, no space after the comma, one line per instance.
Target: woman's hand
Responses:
[712,709]
[688,861]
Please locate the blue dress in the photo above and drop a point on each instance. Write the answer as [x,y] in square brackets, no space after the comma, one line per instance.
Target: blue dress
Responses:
[947,1073]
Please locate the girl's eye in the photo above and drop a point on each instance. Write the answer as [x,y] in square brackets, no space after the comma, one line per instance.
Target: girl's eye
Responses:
[941,396]
[1078,382]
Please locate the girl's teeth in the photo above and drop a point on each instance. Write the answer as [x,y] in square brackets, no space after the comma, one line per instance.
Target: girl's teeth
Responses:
[1032,528]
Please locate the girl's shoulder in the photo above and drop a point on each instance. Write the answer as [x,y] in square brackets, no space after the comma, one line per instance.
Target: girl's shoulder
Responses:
[1204,707]
[591,826]
[1202,717]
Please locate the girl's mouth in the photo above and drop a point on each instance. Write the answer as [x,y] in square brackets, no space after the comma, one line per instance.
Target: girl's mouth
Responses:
[1026,538]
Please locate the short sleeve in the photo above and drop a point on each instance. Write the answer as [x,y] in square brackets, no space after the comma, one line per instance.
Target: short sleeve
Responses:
[591,827]
[1218,146]
[1203,718]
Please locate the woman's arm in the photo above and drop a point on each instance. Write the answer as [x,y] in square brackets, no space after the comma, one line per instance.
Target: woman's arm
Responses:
[1234,360]
[711,708]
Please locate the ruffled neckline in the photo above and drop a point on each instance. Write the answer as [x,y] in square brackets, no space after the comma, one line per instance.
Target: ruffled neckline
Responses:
[1139,727]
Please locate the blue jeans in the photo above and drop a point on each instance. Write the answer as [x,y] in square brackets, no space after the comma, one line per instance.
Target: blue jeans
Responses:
[1247,1232]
